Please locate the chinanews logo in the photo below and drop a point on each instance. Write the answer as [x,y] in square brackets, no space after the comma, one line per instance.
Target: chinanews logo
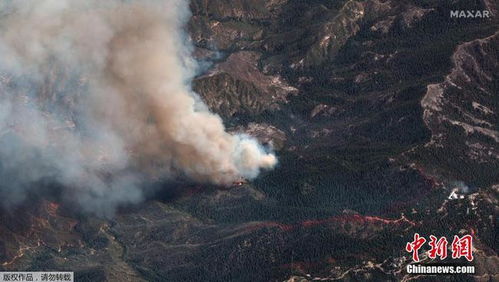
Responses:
[470,14]
[460,247]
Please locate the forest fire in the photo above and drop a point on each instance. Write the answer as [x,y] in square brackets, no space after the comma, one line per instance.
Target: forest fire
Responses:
[342,219]
[52,208]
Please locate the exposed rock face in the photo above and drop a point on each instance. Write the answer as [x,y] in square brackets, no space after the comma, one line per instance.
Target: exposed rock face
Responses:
[378,111]
[267,134]
[238,86]
[238,9]
[462,112]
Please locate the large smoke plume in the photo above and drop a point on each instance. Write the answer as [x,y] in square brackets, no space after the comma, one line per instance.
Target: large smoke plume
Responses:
[95,95]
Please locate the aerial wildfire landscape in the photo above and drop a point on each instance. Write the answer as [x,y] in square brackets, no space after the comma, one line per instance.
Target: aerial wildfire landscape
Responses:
[249,140]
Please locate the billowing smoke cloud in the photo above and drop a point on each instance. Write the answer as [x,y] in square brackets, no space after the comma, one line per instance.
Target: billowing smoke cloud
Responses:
[95,96]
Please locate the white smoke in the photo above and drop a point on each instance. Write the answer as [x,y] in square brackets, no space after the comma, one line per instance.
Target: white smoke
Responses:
[95,95]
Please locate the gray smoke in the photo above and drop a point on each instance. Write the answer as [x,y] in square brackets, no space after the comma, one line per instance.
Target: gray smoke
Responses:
[95,95]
